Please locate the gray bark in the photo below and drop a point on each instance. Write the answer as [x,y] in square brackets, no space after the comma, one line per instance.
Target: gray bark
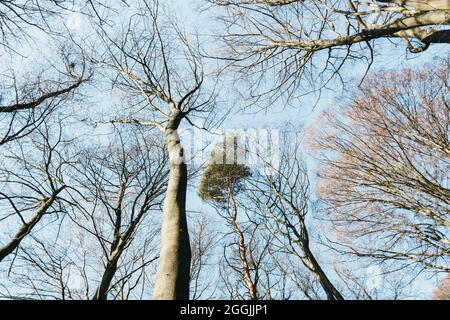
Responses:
[309,260]
[312,264]
[172,276]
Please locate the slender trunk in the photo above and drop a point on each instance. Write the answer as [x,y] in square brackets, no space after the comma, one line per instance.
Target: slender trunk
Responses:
[26,228]
[108,274]
[312,264]
[309,260]
[172,275]
[117,248]
[251,287]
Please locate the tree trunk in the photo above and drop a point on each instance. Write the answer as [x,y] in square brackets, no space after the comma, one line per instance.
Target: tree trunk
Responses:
[172,275]
[27,227]
[108,274]
[251,287]
[312,264]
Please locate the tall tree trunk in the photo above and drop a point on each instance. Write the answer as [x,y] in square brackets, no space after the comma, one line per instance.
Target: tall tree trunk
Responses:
[172,275]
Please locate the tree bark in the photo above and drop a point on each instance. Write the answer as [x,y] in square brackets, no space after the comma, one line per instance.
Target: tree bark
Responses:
[173,272]
[312,264]
[309,260]
[108,274]
[27,227]
[251,287]
[422,4]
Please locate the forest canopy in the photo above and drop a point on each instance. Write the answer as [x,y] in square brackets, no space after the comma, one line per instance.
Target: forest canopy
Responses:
[224,150]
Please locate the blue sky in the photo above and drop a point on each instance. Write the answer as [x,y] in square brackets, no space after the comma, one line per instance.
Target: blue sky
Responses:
[300,114]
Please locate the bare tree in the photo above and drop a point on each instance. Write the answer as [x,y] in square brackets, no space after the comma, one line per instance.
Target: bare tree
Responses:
[19,18]
[48,269]
[203,243]
[384,179]
[107,247]
[161,72]
[32,185]
[292,41]
[26,104]
[249,268]
[366,283]
[118,187]
[281,195]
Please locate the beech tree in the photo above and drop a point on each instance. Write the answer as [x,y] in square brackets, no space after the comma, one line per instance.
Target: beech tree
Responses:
[106,246]
[33,186]
[25,104]
[276,44]
[203,243]
[16,17]
[161,72]
[93,204]
[281,195]
[46,269]
[385,170]
[265,210]
[26,101]
[125,182]
[19,18]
